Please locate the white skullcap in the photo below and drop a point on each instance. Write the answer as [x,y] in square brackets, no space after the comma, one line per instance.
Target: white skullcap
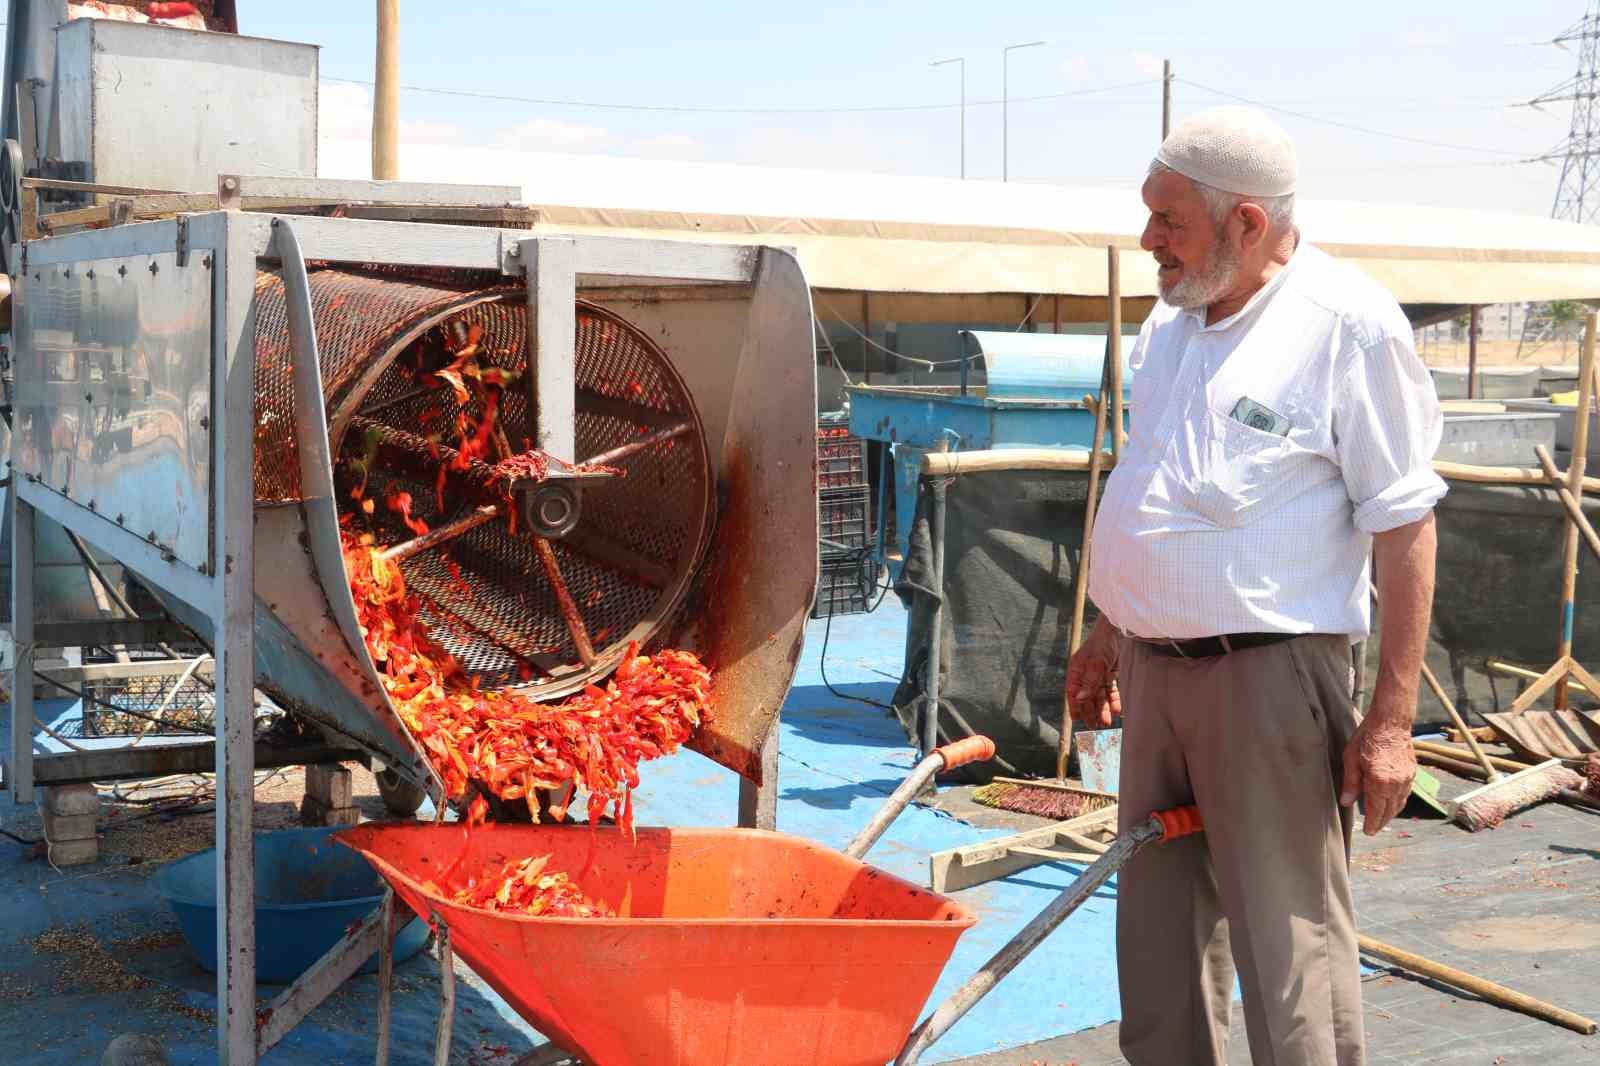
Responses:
[1235,149]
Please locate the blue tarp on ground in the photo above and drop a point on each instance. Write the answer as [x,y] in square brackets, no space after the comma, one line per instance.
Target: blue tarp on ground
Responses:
[838,760]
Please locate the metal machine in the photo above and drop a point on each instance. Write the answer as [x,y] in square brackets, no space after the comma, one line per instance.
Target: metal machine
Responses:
[196,375]
[1031,397]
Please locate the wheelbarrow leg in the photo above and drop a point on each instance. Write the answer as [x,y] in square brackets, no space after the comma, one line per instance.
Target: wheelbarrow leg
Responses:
[1166,825]
[385,977]
[447,995]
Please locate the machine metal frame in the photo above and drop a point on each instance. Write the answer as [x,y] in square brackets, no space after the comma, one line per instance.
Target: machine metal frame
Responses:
[221,593]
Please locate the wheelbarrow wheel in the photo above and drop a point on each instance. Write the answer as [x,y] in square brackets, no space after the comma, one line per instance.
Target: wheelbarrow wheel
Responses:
[399,795]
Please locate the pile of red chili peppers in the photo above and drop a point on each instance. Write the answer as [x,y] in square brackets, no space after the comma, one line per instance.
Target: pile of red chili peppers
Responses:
[506,742]
[525,886]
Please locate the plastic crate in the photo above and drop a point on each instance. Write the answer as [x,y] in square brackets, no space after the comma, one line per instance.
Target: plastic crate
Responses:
[841,461]
[843,518]
[843,586]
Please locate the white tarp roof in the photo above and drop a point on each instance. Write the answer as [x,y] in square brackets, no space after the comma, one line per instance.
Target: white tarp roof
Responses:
[934,235]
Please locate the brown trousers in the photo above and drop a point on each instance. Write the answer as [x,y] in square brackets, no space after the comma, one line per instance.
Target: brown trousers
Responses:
[1256,739]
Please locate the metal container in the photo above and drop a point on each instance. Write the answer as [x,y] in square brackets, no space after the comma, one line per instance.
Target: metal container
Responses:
[169,109]
[1565,418]
[1496,439]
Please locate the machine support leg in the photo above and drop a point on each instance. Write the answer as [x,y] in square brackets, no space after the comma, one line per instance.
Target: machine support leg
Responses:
[758,804]
[233,615]
[19,769]
[548,263]
[447,995]
[386,977]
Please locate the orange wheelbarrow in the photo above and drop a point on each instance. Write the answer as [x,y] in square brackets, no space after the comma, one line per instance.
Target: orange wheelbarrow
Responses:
[731,946]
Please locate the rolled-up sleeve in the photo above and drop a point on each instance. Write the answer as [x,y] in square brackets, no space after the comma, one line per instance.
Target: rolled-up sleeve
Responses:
[1386,427]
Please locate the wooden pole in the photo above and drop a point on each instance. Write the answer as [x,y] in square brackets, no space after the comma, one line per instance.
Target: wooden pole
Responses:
[1114,346]
[866,343]
[1058,312]
[1570,502]
[1499,995]
[1472,353]
[386,95]
[1580,455]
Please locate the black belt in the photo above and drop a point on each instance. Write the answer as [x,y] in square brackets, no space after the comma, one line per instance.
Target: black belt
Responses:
[1210,647]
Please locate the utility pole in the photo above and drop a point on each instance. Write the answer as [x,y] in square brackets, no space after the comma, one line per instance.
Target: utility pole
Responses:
[1166,98]
[962,60]
[1005,105]
[1578,188]
[386,94]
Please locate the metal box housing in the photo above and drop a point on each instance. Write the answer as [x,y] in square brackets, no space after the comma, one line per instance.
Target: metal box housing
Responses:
[169,109]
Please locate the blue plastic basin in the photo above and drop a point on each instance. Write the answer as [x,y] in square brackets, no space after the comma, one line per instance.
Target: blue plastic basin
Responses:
[309,891]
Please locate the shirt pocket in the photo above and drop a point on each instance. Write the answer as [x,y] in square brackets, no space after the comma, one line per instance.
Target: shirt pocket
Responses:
[1244,472]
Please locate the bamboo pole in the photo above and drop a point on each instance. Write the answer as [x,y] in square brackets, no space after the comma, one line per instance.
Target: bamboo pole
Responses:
[1580,455]
[1497,994]
[1500,475]
[1114,338]
[386,95]
[1568,501]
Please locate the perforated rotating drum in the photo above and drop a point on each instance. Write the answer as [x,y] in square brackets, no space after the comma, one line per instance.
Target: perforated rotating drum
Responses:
[489,586]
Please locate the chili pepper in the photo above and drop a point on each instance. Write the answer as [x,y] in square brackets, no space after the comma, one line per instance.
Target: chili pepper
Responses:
[527,886]
[509,744]
[400,504]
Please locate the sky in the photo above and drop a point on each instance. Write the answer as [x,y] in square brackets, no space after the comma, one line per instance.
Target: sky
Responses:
[850,86]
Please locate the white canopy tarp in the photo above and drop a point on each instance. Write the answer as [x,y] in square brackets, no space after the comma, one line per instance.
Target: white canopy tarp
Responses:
[881,233]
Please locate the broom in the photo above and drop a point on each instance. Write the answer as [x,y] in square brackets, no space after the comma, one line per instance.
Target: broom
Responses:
[1055,799]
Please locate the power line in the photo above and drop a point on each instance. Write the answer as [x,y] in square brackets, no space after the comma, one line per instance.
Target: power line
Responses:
[691,109]
[1348,126]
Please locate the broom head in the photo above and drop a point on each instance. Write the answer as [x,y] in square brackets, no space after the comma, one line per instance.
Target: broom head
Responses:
[1055,800]
[1488,805]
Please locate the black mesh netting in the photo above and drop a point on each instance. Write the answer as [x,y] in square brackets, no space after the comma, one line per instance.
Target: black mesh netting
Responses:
[1011,553]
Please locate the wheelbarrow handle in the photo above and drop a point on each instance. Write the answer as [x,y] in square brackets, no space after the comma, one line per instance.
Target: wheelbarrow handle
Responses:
[976,748]
[1161,826]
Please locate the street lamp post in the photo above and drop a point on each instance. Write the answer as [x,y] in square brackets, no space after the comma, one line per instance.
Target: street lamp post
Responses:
[962,60]
[1005,105]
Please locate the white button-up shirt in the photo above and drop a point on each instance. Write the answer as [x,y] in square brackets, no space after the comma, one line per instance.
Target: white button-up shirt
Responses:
[1210,526]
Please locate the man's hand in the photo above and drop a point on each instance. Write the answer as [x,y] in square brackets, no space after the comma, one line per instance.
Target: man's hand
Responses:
[1379,764]
[1092,696]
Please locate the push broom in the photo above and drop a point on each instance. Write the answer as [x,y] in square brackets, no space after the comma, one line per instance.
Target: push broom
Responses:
[1055,799]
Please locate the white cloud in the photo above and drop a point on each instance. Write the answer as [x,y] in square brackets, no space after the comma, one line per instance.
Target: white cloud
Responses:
[552,135]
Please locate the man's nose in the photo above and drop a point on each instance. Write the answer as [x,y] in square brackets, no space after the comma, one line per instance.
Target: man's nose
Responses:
[1150,239]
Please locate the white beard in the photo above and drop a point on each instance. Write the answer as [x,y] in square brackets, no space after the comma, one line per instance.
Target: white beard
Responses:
[1202,290]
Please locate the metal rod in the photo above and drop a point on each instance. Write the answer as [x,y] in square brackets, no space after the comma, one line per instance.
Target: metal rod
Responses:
[1166,98]
[930,703]
[758,804]
[386,978]
[435,537]
[447,995]
[625,451]
[550,265]
[897,801]
[115,593]
[386,94]
[569,609]
[1580,455]
[963,62]
[1044,923]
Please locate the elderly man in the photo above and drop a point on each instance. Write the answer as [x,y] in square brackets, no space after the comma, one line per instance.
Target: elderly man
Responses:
[1282,432]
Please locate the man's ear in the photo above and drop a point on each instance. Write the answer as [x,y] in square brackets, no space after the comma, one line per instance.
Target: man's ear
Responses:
[1253,225]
